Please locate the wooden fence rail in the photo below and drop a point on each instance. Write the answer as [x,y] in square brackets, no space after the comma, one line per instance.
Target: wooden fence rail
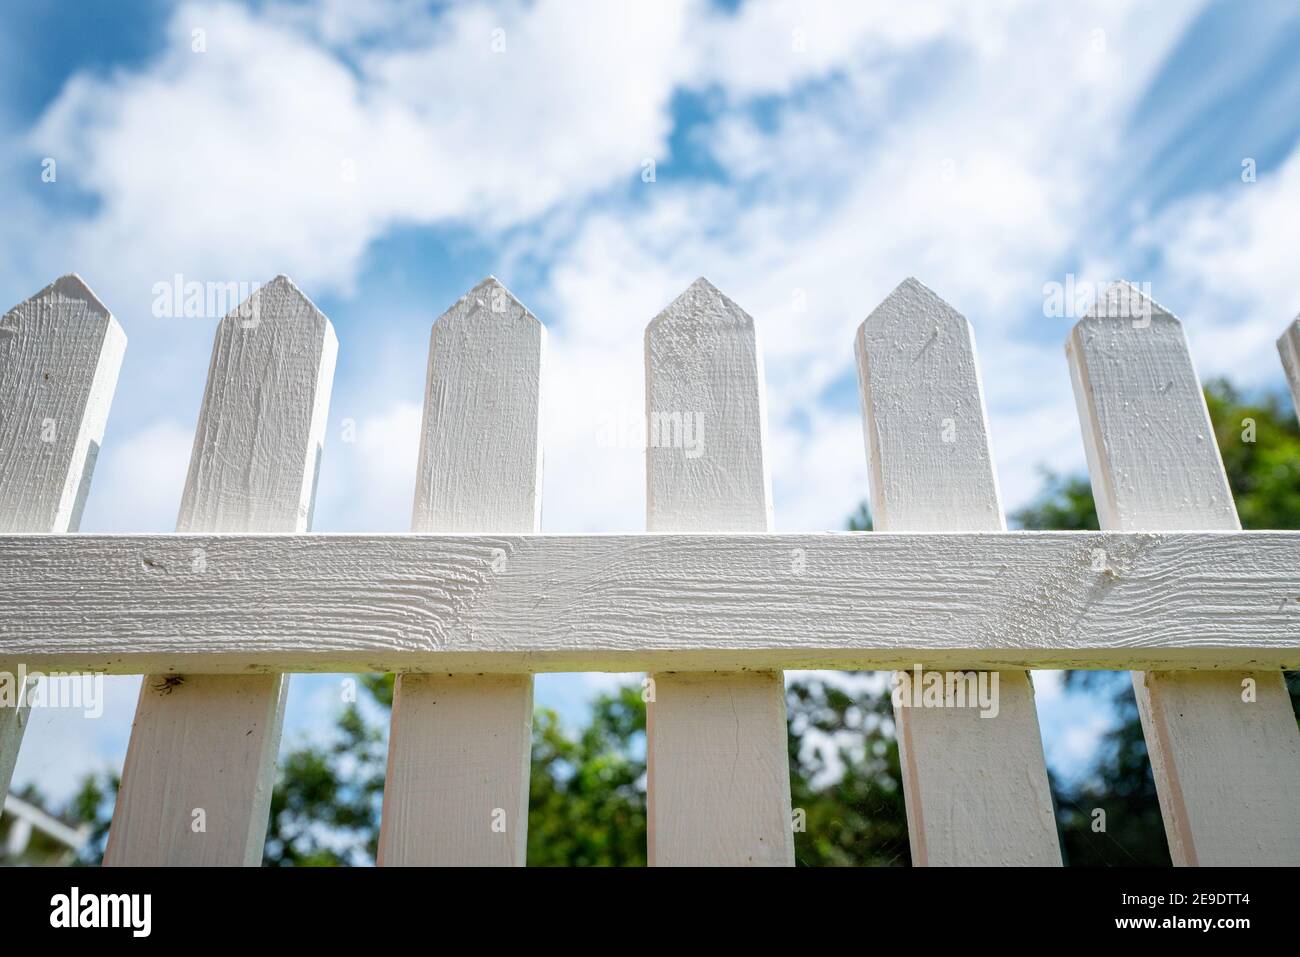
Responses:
[710,603]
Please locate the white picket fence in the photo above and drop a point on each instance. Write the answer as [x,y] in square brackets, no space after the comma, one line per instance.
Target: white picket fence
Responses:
[711,603]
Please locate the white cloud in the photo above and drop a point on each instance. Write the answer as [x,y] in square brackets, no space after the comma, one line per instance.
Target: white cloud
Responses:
[769,47]
[139,480]
[267,153]
[1228,270]
[369,483]
[1079,742]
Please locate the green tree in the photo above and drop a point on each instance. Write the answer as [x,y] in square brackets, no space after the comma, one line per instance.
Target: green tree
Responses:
[845,780]
[586,800]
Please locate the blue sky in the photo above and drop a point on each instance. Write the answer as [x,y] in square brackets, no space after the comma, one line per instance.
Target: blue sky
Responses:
[807,158]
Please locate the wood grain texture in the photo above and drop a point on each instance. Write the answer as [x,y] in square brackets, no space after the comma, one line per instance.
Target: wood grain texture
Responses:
[573,603]
[60,353]
[262,426]
[460,746]
[976,788]
[130,604]
[706,407]
[208,745]
[1201,716]
[1150,444]
[458,763]
[480,465]
[718,778]
[721,735]
[928,456]
[1227,769]
[1288,346]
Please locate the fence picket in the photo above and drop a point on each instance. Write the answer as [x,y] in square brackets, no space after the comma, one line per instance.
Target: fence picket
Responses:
[1226,760]
[460,745]
[1288,346]
[976,789]
[196,784]
[718,769]
[60,353]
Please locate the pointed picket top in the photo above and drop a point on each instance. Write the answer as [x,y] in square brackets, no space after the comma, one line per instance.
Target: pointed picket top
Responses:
[484,380]
[253,468]
[1151,448]
[706,417]
[267,395]
[1288,346]
[931,470]
[489,300]
[1122,299]
[924,423]
[911,306]
[67,299]
[60,352]
[701,303]
[276,303]
[67,290]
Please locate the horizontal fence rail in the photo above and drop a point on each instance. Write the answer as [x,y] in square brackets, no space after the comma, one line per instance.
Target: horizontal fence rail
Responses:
[510,603]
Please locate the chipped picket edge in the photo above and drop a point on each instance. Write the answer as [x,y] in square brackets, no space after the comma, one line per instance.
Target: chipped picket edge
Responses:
[133,604]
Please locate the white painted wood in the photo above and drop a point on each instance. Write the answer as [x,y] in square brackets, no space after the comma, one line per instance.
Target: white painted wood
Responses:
[460,746]
[203,751]
[718,778]
[13,722]
[1227,770]
[60,353]
[976,787]
[706,416]
[480,465]
[258,442]
[719,743]
[458,760]
[128,604]
[1288,346]
[205,746]
[1203,738]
